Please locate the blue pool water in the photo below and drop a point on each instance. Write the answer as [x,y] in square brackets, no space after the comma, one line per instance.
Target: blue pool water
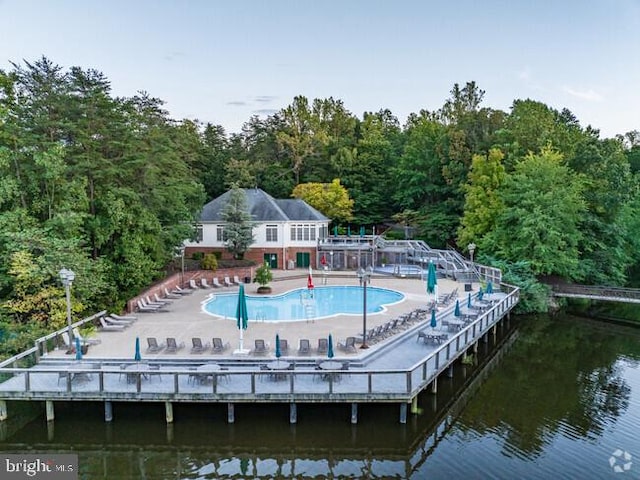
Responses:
[303,304]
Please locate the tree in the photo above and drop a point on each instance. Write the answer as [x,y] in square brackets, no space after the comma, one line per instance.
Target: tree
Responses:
[540,221]
[482,201]
[238,229]
[330,199]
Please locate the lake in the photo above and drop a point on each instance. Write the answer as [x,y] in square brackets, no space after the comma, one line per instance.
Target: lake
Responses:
[559,397]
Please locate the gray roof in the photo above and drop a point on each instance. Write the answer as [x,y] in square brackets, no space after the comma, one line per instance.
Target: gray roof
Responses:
[264,208]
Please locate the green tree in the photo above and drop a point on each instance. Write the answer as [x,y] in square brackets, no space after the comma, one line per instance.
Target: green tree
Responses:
[330,199]
[540,221]
[238,228]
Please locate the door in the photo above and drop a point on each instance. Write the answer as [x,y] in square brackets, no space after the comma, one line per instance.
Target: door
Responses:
[271,259]
[303,259]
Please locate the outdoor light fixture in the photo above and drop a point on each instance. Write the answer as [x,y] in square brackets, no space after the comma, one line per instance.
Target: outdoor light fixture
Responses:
[331,255]
[472,248]
[365,278]
[67,276]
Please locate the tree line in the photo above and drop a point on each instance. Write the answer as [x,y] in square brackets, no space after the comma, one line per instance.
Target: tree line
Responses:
[110,186]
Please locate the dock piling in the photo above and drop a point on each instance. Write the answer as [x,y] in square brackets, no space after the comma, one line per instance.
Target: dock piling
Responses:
[108,411]
[49,410]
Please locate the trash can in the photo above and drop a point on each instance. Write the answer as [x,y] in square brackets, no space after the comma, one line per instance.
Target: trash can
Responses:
[247,279]
[467,287]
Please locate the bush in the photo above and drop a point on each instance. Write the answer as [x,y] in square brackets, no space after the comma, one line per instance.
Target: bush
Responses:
[209,262]
[197,256]
[263,274]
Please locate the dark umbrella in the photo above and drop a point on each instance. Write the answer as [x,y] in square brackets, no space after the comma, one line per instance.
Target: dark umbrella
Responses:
[242,316]
[348,230]
[335,230]
[434,323]
[330,349]
[432,281]
[489,288]
[480,294]
[362,231]
[136,356]
[78,349]
[456,312]
[469,300]
[278,352]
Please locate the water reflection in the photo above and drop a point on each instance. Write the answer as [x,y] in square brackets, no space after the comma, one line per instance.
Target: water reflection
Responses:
[554,383]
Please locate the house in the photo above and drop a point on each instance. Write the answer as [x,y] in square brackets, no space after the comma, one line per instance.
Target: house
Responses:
[286,231]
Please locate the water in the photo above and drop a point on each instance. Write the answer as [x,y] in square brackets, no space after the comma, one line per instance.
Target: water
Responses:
[555,401]
[302,303]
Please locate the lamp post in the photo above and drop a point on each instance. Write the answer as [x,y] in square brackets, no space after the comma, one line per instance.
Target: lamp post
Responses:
[67,276]
[182,266]
[365,278]
[472,248]
[331,255]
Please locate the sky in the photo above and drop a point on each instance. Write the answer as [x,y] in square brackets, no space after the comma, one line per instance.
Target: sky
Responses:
[221,62]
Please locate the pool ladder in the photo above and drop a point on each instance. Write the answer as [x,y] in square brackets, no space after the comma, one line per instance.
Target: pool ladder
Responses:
[310,312]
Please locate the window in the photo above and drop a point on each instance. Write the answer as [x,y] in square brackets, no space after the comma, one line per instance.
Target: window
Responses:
[303,233]
[322,231]
[272,233]
[220,233]
[198,233]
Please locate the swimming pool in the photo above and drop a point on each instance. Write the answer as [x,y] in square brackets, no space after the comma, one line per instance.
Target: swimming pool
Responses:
[303,304]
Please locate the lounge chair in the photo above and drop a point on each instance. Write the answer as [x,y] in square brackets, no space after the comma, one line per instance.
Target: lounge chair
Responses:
[305,347]
[151,303]
[216,283]
[198,346]
[153,346]
[110,328]
[323,346]
[227,282]
[219,346]
[173,346]
[143,309]
[163,301]
[113,321]
[260,347]
[123,317]
[193,285]
[284,346]
[349,345]
[204,283]
[183,291]
[236,280]
[168,294]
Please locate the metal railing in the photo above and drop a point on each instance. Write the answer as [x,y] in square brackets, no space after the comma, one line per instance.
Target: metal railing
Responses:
[622,294]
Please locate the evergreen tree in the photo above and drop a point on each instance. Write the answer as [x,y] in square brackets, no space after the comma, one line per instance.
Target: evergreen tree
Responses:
[238,230]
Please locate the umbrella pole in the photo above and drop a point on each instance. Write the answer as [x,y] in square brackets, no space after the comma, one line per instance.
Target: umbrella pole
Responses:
[241,346]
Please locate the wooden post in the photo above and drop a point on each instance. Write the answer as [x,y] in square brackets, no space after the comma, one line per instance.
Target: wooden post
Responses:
[450,371]
[434,386]
[414,405]
[3,410]
[354,413]
[231,418]
[293,412]
[403,413]
[168,409]
[108,411]
[49,410]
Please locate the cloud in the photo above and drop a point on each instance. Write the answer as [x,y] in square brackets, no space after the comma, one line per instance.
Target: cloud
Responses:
[589,95]
[237,103]
[264,98]
[266,111]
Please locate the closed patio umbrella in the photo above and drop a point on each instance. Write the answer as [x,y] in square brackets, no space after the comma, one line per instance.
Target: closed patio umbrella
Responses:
[432,280]
[78,349]
[136,356]
[434,323]
[242,316]
[456,312]
[469,300]
[330,348]
[278,351]
[480,294]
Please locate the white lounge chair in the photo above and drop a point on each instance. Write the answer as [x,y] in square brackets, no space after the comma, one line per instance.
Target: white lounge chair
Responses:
[216,282]
[227,282]
[110,328]
[183,291]
[158,299]
[115,321]
[123,317]
[236,280]
[193,285]
[168,294]
[204,283]
[146,309]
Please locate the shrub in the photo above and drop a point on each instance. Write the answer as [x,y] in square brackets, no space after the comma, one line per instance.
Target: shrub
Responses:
[209,262]
[263,274]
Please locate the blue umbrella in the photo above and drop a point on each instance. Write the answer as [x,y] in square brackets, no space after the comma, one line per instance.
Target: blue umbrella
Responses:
[335,230]
[242,315]
[136,356]
[489,288]
[432,281]
[469,300]
[480,294]
[362,231]
[456,312]
[348,230]
[78,349]
[278,352]
[434,323]
[330,349]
